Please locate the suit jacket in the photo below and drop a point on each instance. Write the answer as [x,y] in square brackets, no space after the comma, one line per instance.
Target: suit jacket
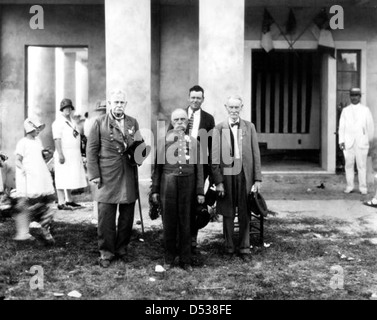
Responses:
[222,160]
[356,126]
[107,159]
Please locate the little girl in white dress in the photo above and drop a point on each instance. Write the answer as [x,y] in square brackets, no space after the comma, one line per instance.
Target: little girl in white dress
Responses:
[34,186]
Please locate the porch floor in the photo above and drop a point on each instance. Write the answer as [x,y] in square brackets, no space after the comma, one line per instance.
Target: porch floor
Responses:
[291,161]
[290,165]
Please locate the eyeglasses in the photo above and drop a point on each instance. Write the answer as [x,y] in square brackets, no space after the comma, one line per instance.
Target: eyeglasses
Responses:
[355,95]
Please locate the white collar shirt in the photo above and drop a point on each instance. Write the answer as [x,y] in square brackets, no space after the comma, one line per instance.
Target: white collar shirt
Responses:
[235,135]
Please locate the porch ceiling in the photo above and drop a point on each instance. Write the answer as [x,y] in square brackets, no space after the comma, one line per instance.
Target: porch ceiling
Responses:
[283,3]
[249,3]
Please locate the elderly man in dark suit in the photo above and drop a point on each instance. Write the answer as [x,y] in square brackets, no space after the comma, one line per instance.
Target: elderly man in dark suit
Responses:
[236,168]
[200,125]
[111,168]
[178,181]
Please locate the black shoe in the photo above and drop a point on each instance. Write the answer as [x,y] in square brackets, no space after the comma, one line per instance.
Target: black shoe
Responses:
[185,266]
[228,256]
[245,257]
[104,263]
[124,258]
[73,204]
[64,207]
[195,251]
[196,262]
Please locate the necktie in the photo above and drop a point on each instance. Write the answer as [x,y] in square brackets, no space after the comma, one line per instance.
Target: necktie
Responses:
[191,120]
[235,124]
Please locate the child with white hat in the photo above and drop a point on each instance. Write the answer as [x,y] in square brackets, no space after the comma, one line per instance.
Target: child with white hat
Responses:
[35,190]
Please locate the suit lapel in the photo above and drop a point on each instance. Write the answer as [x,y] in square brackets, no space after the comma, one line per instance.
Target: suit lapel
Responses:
[241,136]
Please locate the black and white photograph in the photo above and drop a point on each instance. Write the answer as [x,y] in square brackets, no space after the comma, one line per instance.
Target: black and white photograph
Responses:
[191,156]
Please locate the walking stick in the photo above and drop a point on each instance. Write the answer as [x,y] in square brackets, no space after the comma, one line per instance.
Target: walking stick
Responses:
[138,200]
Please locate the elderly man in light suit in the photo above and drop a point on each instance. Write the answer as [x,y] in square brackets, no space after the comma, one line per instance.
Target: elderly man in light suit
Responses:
[236,169]
[356,130]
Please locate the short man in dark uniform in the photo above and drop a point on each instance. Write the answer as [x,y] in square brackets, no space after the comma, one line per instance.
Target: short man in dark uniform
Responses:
[177,181]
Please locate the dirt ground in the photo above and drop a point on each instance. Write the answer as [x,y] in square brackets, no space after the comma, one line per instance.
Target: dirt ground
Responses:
[275,188]
[314,234]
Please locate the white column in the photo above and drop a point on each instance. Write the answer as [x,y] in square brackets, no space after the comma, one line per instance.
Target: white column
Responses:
[70,76]
[41,89]
[328,130]
[221,52]
[128,59]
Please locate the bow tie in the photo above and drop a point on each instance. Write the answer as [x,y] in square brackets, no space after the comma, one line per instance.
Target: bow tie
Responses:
[235,124]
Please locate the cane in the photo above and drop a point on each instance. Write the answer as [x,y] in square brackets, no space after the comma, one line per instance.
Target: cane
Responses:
[138,200]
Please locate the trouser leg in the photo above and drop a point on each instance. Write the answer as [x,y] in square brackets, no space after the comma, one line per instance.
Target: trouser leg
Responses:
[125,223]
[228,230]
[106,229]
[169,216]
[361,162]
[244,231]
[22,219]
[185,196]
[349,156]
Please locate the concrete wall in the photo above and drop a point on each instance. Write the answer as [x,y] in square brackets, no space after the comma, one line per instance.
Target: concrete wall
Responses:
[64,25]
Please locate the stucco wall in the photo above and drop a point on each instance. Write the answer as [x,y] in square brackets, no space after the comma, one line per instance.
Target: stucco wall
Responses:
[64,25]
[179,55]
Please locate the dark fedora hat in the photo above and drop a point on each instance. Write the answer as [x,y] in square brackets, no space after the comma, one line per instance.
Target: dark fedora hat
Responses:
[66,103]
[101,105]
[257,205]
[202,216]
[130,152]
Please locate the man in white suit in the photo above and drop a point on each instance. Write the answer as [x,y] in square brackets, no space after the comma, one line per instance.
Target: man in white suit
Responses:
[356,129]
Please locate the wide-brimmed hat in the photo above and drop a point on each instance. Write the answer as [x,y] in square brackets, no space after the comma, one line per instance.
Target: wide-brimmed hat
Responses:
[31,124]
[66,103]
[355,91]
[211,196]
[257,205]
[202,216]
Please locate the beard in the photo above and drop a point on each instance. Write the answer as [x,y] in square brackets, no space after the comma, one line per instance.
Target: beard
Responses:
[118,113]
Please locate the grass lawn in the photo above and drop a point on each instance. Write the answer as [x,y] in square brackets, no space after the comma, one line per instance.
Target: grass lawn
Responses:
[306,258]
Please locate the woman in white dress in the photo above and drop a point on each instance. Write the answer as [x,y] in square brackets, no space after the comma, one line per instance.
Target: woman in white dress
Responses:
[69,167]
[34,186]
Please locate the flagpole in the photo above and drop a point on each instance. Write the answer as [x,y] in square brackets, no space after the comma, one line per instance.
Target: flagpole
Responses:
[306,28]
[290,45]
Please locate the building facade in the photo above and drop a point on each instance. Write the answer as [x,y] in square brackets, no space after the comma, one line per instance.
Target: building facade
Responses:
[157,49]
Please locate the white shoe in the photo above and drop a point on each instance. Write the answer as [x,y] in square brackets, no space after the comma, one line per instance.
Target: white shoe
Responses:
[24,237]
[348,190]
[35,224]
